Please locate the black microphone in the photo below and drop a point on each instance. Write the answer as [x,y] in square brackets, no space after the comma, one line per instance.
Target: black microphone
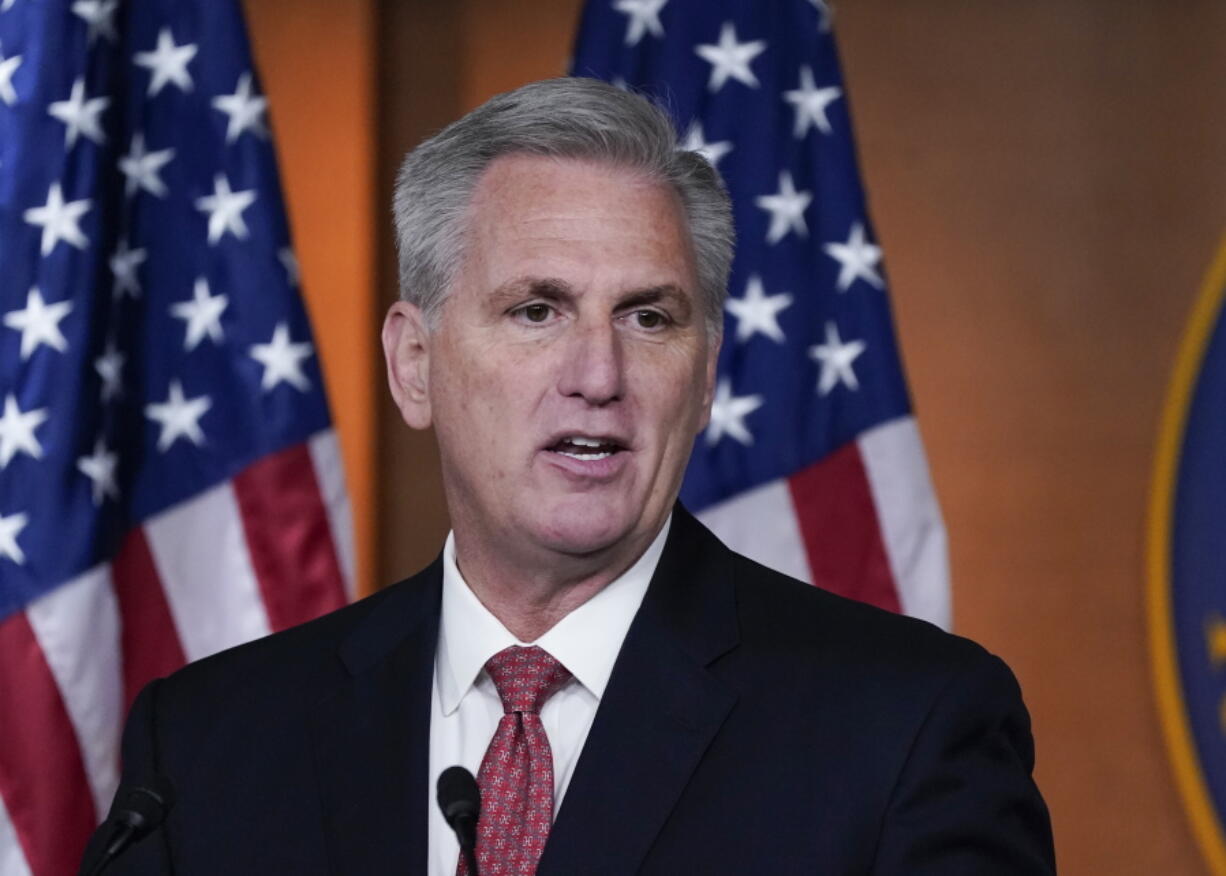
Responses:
[138,811]
[460,799]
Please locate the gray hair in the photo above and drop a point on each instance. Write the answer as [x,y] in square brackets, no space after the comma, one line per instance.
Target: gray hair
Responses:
[558,118]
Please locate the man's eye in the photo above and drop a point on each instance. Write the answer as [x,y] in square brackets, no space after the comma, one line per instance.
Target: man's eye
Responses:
[535,312]
[649,319]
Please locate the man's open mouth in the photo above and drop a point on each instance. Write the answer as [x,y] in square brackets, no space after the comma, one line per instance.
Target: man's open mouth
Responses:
[587,449]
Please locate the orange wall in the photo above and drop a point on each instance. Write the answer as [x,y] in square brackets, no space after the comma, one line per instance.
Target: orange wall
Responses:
[1048,184]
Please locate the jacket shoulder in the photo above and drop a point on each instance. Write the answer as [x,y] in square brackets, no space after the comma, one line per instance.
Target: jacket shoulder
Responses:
[804,623]
[297,660]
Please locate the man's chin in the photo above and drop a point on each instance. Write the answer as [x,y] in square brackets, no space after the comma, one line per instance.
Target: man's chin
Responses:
[580,531]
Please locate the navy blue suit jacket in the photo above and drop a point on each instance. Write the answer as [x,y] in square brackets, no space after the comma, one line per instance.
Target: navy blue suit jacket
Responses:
[752,724]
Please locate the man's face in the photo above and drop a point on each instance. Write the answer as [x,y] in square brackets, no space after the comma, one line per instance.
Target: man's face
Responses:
[571,368]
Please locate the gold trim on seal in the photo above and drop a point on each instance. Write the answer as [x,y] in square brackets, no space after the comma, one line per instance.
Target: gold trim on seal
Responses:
[1206,824]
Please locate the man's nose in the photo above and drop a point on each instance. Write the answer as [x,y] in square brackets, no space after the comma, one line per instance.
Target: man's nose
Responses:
[593,366]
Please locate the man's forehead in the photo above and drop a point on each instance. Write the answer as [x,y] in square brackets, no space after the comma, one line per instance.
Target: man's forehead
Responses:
[561,224]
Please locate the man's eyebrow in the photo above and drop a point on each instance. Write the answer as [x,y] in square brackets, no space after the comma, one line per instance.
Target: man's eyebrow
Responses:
[554,289]
[668,293]
[538,287]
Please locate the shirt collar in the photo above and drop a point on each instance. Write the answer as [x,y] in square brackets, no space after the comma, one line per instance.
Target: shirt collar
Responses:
[586,641]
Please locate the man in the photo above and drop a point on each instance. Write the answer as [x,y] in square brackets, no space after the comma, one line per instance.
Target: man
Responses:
[634,697]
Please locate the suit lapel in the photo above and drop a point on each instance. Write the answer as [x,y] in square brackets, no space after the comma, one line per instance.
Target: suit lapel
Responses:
[372,736]
[659,713]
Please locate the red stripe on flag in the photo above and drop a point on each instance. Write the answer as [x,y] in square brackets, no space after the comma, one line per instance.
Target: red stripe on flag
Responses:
[838,521]
[289,537]
[42,776]
[149,641]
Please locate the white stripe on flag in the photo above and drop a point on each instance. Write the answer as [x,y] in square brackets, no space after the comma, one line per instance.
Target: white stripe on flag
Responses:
[910,519]
[200,552]
[761,524]
[77,627]
[330,472]
[12,858]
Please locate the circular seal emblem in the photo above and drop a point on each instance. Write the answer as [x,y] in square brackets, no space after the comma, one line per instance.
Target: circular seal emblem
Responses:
[1187,568]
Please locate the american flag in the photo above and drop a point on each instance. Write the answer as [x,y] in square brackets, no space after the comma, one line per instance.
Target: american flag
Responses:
[812,463]
[170,484]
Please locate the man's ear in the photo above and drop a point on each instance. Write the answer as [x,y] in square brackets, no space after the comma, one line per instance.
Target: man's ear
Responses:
[709,390]
[406,348]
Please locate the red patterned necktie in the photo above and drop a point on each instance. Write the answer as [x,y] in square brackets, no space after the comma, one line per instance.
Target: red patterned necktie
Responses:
[516,775]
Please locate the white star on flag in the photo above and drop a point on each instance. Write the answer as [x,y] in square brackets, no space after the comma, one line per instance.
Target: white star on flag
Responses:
[123,265]
[10,528]
[289,261]
[695,141]
[823,9]
[141,168]
[730,59]
[245,110]
[225,209]
[59,220]
[644,17]
[17,431]
[100,16]
[728,413]
[179,417]
[39,323]
[836,359]
[282,360]
[8,66]
[99,467]
[168,63]
[857,258]
[787,209]
[202,313]
[810,104]
[758,312]
[80,114]
[6,5]
[110,368]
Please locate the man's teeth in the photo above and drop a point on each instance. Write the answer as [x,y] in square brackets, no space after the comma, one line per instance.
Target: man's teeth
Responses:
[586,456]
[580,447]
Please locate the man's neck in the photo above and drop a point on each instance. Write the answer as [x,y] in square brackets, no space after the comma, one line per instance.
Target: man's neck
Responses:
[530,595]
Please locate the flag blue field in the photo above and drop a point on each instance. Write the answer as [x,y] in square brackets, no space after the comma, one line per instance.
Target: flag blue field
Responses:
[170,483]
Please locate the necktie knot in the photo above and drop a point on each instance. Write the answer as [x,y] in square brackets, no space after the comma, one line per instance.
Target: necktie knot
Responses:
[525,677]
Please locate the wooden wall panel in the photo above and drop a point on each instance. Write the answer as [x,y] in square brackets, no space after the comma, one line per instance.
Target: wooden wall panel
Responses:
[439,60]
[421,72]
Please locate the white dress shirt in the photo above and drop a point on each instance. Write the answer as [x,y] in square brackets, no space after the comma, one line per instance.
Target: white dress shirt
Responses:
[465,706]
